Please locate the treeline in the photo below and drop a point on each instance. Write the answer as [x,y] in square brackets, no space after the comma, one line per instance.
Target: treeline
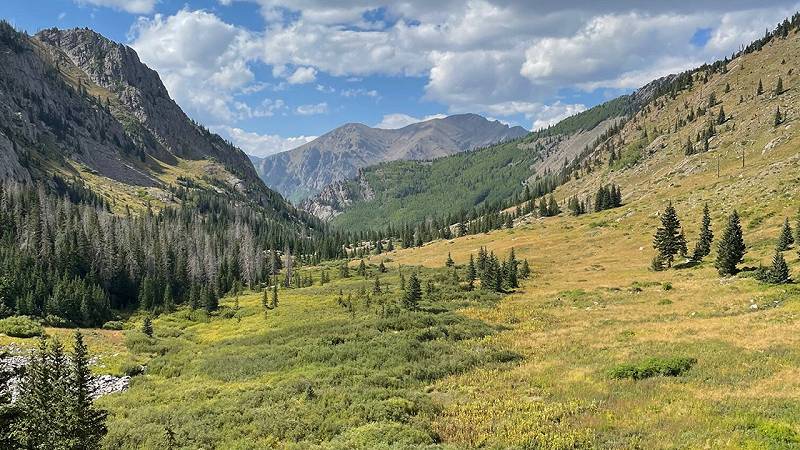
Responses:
[64,257]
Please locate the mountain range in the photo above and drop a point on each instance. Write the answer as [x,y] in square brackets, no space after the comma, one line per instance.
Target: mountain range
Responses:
[338,154]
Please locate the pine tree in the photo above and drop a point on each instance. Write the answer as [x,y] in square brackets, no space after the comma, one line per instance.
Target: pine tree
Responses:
[471,273]
[785,240]
[779,272]
[511,270]
[778,116]
[413,293]
[760,89]
[721,118]
[669,240]
[703,246]
[376,288]
[449,262]
[731,248]
[274,302]
[147,326]
[169,300]
[211,302]
[779,87]
[362,269]
[87,426]
[525,270]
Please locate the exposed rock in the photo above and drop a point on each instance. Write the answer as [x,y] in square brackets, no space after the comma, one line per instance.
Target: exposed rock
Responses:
[18,358]
[337,155]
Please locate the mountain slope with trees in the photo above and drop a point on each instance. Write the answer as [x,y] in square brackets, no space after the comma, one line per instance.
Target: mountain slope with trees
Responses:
[338,154]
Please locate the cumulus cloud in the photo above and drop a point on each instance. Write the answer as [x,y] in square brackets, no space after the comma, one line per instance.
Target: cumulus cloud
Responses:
[497,57]
[302,75]
[131,6]
[400,120]
[261,144]
[310,110]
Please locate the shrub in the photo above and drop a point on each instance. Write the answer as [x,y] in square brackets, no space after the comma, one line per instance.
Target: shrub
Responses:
[58,322]
[667,286]
[131,368]
[667,367]
[113,325]
[20,326]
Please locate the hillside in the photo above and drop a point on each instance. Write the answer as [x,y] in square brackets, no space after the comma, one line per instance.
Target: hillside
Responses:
[76,104]
[462,185]
[337,155]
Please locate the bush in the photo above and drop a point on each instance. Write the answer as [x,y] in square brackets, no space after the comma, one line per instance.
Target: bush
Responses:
[667,286]
[131,368]
[666,367]
[113,325]
[21,326]
[58,322]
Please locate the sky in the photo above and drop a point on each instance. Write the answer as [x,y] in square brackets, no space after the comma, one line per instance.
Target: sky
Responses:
[270,75]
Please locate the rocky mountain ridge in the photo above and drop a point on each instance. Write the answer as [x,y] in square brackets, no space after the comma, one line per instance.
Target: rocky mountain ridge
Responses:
[337,155]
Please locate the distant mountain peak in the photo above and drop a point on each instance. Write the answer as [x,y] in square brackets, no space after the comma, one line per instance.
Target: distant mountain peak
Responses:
[339,153]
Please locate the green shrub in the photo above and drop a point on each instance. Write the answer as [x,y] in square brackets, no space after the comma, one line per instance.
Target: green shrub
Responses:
[665,301]
[58,322]
[131,368]
[667,286]
[667,367]
[113,325]
[20,326]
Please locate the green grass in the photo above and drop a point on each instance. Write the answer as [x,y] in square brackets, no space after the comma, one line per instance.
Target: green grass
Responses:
[666,367]
[309,373]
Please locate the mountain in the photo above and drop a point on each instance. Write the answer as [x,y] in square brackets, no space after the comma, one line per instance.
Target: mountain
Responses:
[620,136]
[74,104]
[337,155]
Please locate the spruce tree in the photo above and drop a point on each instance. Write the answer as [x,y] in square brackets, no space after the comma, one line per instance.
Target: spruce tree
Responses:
[785,240]
[779,272]
[382,268]
[87,426]
[413,293]
[147,326]
[669,240]
[721,117]
[471,273]
[376,288]
[703,246]
[264,299]
[449,262]
[274,302]
[731,248]
[525,270]
[760,89]
[362,269]
[778,116]
[511,270]
[779,87]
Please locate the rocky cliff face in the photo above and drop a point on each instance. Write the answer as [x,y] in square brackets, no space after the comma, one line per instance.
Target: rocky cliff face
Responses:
[338,155]
[335,197]
[74,99]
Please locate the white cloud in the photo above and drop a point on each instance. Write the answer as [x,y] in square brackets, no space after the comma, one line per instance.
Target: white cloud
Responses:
[360,92]
[261,144]
[302,75]
[131,6]
[399,120]
[310,110]
[202,60]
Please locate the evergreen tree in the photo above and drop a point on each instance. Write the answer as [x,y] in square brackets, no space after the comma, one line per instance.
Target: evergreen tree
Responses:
[703,246]
[362,269]
[147,326]
[525,270]
[471,274]
[760,89]
[344,271]
[449,262]
[669,240]
[731,248]
[779,87]
[721,118]
[382,268]
[211,302]
[376,288]
[511,270]
[413,293]
[274,302]
[87,426]
[778,116]
[785,240]
[779,272]
[264,299]
[169,300]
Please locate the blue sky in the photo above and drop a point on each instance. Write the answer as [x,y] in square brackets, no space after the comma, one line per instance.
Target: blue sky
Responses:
[273,74]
